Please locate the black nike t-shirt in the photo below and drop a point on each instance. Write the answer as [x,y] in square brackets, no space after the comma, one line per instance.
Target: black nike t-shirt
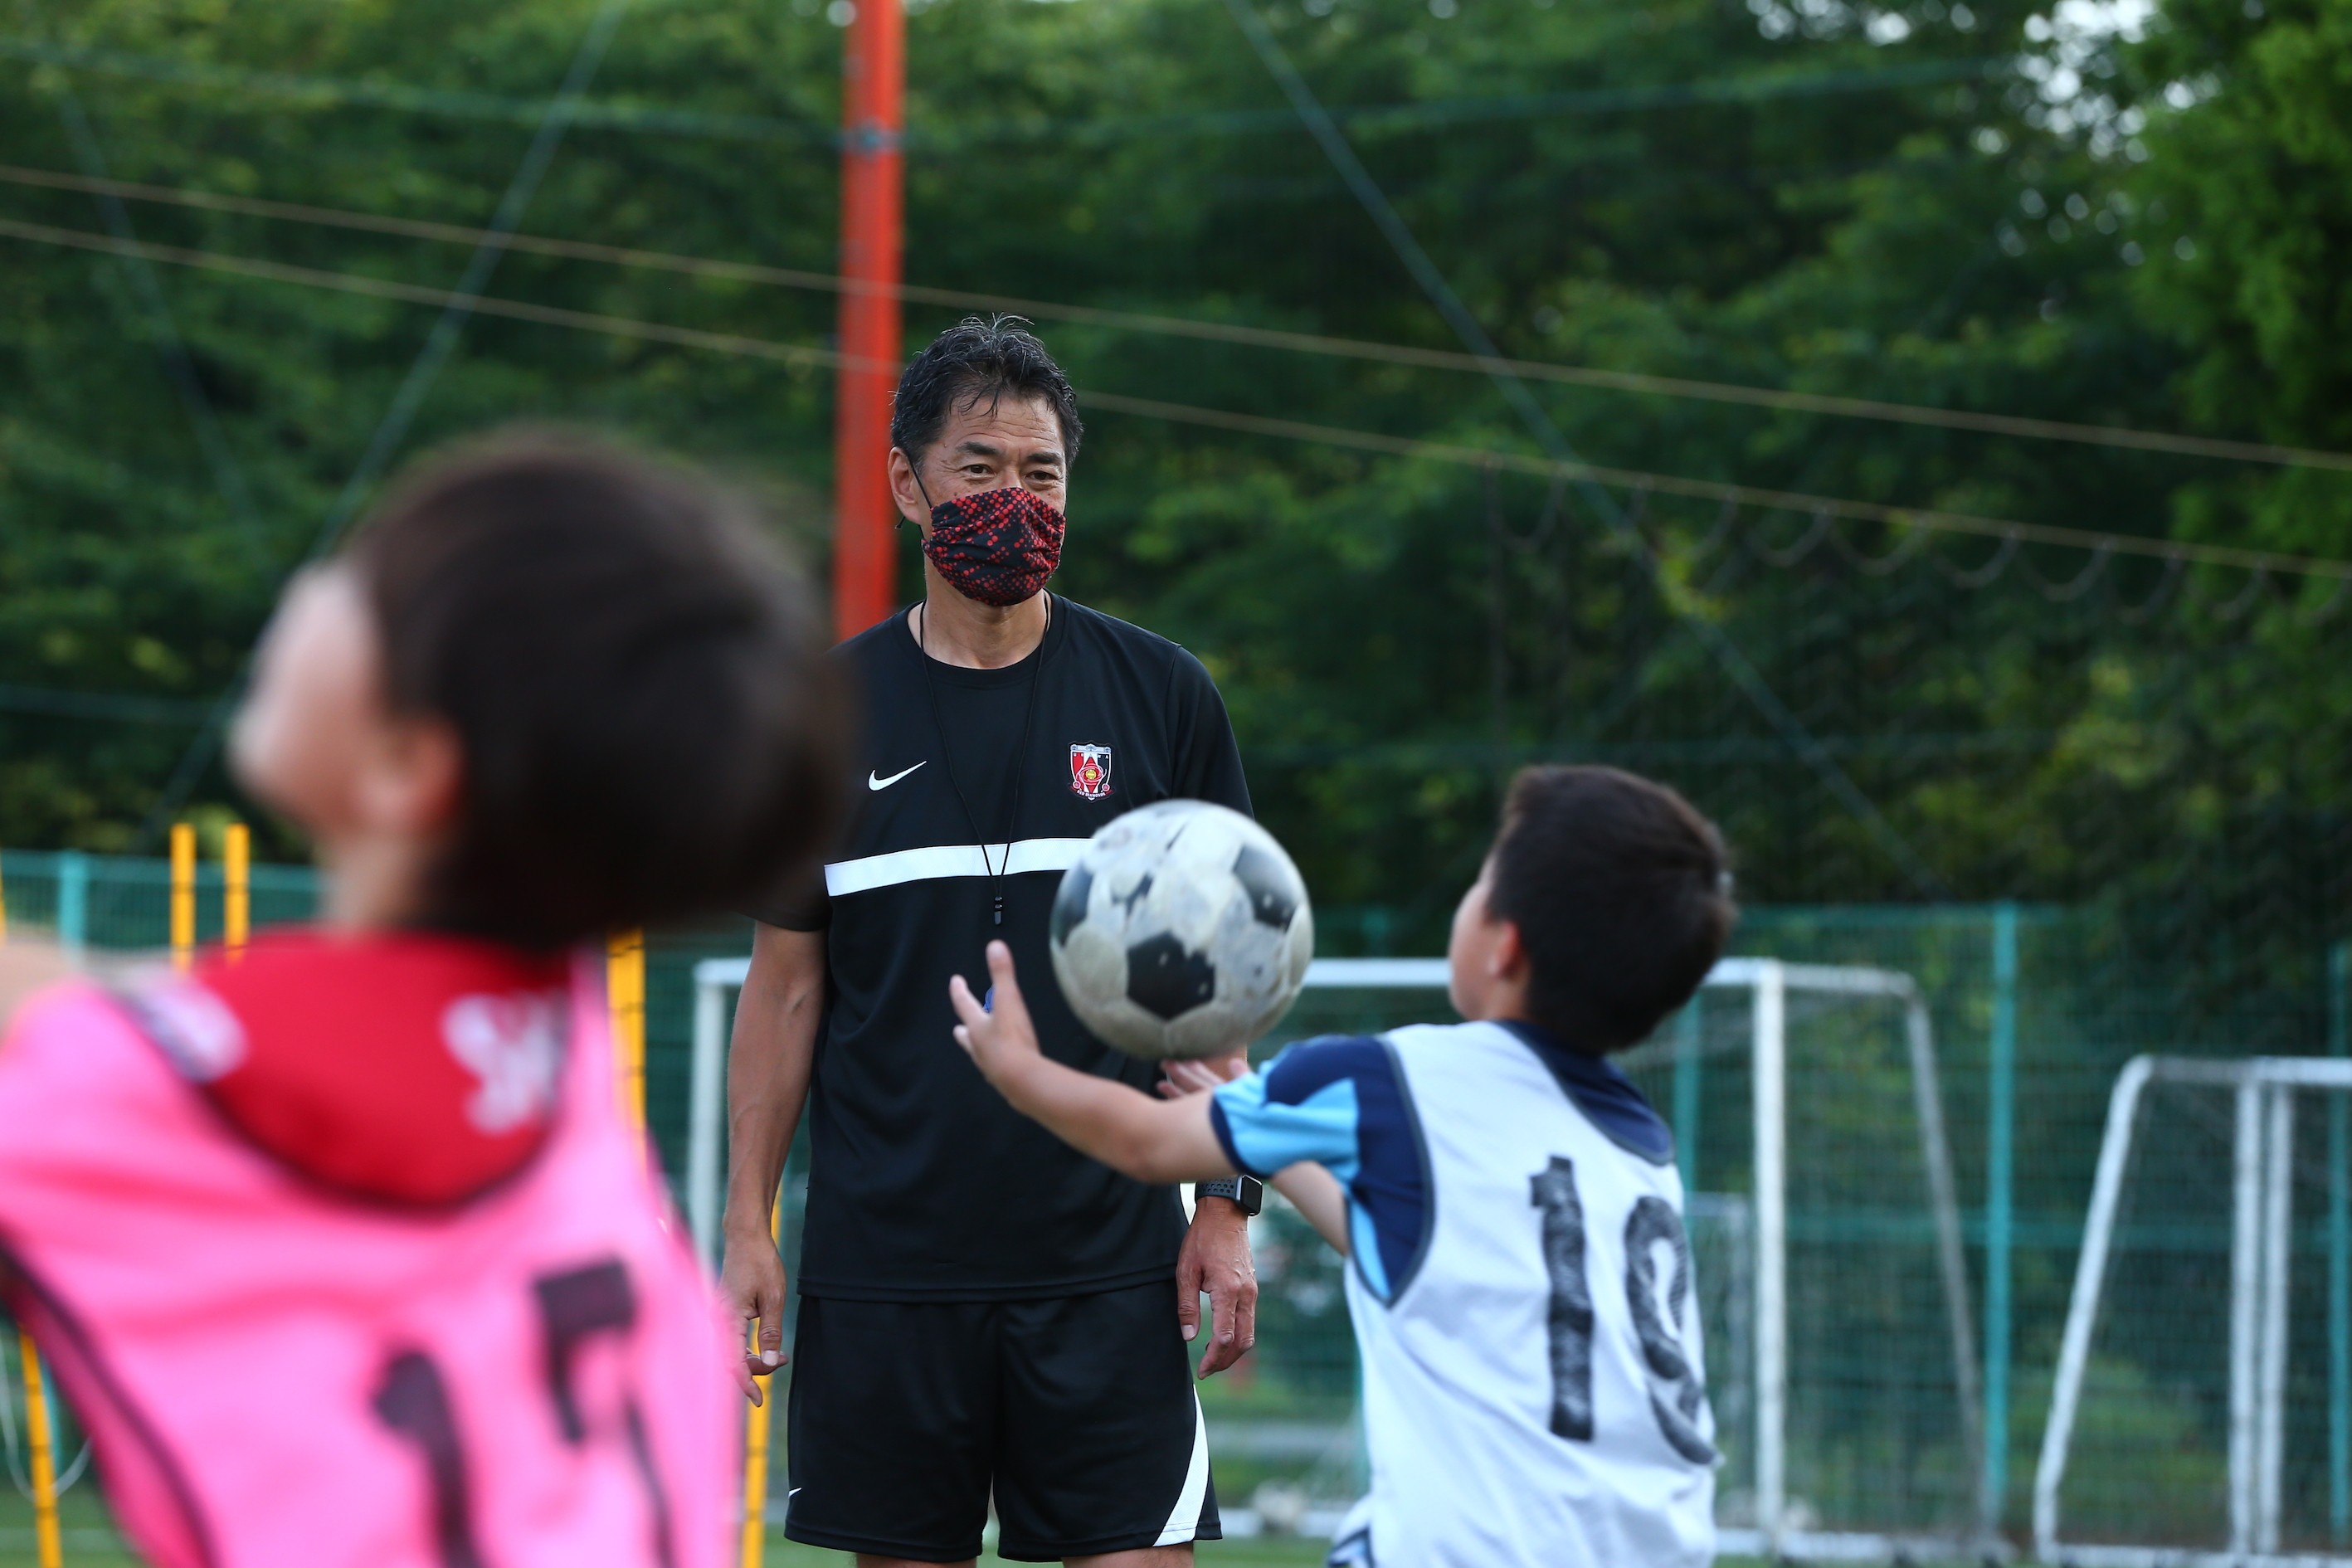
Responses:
[923,1183]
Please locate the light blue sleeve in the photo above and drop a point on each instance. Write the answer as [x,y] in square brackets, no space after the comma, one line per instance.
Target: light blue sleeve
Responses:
[1263,1134]
[1341,1101]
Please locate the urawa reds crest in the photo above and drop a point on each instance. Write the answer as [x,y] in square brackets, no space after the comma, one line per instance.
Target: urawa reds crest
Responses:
[1091,771]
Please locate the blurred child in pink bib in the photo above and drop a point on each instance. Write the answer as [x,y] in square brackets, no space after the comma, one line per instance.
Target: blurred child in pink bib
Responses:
[343,1251]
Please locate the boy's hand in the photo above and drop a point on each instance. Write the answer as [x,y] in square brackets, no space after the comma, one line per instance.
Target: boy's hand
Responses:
[1181,1076]
[1101,1117]
[999,1042]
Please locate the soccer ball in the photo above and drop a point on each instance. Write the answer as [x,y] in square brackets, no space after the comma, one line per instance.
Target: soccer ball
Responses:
[1182,930]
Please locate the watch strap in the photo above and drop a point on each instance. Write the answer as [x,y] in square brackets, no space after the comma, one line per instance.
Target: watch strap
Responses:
[1246,1190]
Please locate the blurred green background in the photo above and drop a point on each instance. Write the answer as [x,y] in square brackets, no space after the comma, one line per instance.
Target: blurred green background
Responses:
[1706,221]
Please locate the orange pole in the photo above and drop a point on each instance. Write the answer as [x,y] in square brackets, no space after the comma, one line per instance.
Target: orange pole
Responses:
[183,895]
[873,224]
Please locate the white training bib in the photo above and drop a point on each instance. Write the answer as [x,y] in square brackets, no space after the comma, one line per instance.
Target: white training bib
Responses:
[1534,1392]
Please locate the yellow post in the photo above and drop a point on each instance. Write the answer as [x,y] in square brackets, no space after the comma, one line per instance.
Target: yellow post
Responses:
[236,888]
[625,993]
[756,1423]
[49,1542]
[183,895]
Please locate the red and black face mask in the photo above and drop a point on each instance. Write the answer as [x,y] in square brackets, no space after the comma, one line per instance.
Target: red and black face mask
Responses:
[997,547]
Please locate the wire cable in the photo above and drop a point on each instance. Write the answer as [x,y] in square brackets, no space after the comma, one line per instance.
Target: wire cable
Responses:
[1731,497]
[1424,271]
[426,294]
[488,251]
[170,348]
[246,86]
[2021,426]
[440,345]
[249,89]
[1725,492]
[112,706]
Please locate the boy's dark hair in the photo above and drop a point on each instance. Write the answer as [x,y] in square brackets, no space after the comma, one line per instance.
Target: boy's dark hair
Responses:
[1622,892]
[977,362]
[635,675]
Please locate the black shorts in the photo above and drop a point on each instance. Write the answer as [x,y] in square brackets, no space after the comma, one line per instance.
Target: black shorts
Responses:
[1078,1413]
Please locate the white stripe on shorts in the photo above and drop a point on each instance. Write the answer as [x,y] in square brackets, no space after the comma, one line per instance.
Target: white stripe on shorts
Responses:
[1185,1522]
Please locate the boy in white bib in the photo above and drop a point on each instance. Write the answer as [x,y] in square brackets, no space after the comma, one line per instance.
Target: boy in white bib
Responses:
[1521,1284]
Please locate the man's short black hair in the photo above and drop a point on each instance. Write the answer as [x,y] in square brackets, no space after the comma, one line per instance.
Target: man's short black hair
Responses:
[976,362]
[635,675]
[1622,892]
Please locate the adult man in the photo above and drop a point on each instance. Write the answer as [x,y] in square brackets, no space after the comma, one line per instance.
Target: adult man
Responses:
[985,1312]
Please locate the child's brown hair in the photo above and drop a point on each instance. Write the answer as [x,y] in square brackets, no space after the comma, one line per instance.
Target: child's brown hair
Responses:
[635,675]
[1622,892]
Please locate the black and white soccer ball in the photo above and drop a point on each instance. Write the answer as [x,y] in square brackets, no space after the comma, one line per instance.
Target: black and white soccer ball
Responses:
[1182,930]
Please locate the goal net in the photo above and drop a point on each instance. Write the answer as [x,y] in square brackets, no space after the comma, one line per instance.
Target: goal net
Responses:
[2202,1408]
[1809,1128]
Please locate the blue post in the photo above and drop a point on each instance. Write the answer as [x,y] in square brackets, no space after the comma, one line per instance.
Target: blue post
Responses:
[73,901]
[2000,1153]
[1688,1037]
[2340,1254]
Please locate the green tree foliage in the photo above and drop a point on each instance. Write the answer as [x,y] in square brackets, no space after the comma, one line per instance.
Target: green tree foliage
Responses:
[2250,149]
[1943,204]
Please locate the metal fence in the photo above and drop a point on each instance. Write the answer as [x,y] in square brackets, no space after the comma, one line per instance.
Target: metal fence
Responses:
[2033,1012]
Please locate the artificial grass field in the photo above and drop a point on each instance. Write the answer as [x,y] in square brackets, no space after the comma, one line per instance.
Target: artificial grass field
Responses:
[90,1542]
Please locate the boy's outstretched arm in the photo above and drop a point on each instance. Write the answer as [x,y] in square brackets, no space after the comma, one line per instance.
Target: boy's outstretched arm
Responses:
[1312,1190]
[1150,1140]
[1319,1199]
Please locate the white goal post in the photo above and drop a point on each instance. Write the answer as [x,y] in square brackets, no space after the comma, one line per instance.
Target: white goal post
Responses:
[1768,982]
[2261,1217]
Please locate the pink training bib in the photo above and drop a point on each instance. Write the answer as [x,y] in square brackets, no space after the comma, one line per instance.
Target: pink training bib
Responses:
[345,1257]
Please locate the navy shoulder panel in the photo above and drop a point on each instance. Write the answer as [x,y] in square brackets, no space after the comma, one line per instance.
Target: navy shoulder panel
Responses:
[1389,1186]
[1311,1065]
[1609,1099]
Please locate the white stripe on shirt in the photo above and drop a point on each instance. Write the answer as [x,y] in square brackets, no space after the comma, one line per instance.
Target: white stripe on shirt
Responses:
[1021,856]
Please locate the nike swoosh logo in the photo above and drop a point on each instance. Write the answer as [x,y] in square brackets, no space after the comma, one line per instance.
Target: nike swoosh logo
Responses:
[875,781]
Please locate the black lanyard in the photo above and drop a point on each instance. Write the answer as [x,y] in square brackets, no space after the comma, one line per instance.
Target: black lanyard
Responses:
[995,870]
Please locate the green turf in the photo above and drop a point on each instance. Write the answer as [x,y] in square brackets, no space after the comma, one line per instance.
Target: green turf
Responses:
[90,1542]
[783,1553]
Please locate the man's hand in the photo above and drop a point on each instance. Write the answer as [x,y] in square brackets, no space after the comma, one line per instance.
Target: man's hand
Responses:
[1216,1255]
[1003,1041]
[751,1283]
[767,1067]
[1215,1262]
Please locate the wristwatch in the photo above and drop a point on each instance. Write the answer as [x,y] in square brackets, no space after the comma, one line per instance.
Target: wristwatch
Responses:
[1246,1190]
